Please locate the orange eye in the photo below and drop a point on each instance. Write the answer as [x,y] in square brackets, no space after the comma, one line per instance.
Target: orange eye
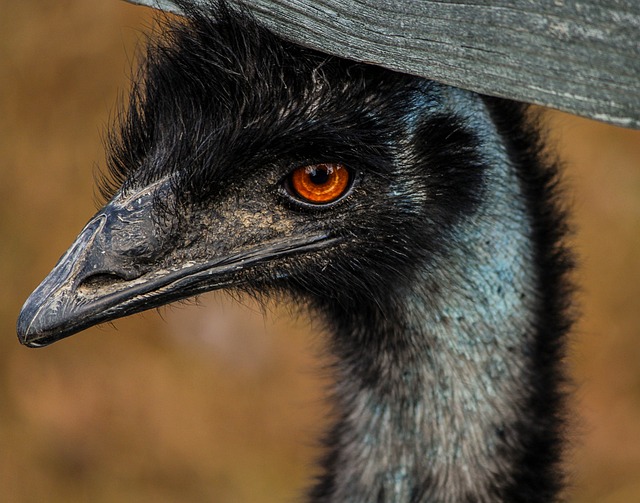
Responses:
[320,183]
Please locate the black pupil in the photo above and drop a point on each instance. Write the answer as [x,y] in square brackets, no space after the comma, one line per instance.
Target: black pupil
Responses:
[319,176]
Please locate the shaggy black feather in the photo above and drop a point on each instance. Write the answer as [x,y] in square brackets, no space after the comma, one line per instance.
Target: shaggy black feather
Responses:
[539,174]
[220,95]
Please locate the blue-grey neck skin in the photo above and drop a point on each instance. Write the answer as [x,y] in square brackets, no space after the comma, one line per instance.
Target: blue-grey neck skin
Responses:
[444,411]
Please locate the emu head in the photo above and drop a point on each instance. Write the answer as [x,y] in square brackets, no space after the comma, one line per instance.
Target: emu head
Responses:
[246,162]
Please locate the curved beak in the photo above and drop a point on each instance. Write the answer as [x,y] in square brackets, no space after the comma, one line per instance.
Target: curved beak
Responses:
[125,261]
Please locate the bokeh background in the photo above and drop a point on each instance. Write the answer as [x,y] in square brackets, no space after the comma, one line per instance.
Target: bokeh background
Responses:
[214,403]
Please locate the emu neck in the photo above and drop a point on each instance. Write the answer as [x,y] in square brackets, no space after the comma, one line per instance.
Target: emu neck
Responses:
[442,399]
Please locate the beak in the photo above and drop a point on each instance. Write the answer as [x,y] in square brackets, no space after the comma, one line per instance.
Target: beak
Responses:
[125,261]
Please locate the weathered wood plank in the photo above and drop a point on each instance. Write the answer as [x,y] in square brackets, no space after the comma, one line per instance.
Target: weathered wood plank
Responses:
[580,56]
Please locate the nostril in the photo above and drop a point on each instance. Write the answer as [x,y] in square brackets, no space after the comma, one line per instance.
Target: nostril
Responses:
[99,281]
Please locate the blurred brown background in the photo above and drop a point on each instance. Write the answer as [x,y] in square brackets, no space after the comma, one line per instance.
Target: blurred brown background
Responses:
[213,404]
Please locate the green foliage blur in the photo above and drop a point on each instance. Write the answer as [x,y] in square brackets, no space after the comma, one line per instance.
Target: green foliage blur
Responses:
[213,403]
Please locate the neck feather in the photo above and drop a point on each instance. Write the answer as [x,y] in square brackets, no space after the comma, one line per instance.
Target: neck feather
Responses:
[454,396]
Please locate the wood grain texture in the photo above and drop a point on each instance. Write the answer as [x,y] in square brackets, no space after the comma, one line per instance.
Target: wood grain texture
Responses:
[580,56]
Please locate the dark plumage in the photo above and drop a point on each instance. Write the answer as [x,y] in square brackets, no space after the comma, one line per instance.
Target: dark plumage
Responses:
[440,272]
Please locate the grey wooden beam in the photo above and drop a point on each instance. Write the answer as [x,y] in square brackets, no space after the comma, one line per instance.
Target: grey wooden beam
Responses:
[580,56]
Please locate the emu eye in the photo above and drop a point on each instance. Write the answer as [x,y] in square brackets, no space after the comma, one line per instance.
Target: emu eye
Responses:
[320,183]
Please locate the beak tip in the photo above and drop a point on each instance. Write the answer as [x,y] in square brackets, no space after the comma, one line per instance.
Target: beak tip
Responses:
[34,327]
[25,327]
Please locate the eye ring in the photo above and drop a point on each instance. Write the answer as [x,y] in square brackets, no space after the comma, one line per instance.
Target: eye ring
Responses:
[319,184]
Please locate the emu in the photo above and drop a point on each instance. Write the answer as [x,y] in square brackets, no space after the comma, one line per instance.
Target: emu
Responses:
[419,221]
